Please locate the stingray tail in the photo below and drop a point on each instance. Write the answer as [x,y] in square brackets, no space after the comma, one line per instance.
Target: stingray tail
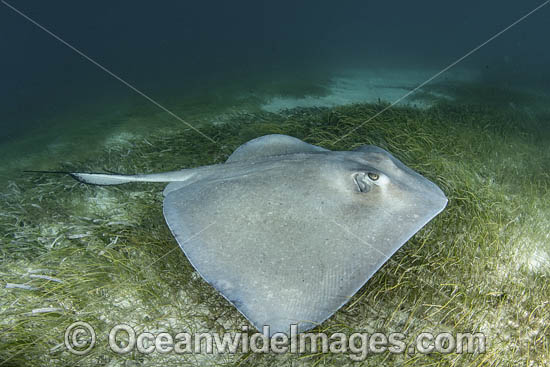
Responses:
[106,179]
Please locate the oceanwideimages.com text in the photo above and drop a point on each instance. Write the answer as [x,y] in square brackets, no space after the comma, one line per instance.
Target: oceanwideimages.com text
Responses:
[80,338]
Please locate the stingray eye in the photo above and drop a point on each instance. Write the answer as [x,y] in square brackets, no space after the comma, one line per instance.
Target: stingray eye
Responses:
[373,176]
[361,181]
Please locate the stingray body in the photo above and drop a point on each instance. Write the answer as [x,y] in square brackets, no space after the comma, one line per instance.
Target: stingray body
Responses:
[288,232]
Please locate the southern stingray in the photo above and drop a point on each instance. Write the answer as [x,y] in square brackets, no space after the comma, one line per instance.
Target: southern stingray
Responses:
[288,232]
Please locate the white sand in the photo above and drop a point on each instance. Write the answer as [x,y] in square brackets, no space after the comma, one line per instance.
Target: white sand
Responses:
[120,138]
[361,86]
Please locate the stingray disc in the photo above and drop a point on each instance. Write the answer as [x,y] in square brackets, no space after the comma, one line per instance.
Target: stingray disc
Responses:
[288,232]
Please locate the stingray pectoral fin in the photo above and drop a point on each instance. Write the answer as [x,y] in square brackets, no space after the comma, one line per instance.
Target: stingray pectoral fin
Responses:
[106,179]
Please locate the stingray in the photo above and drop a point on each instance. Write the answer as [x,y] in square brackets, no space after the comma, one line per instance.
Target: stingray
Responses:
[288,232]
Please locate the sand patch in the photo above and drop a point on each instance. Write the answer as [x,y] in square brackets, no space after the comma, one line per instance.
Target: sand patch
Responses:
[372,86]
